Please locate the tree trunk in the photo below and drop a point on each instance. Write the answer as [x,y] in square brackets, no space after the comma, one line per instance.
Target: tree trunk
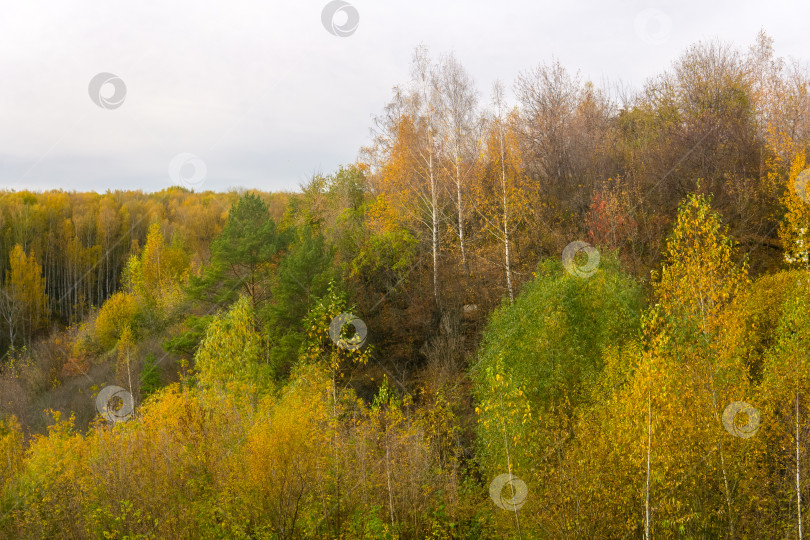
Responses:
[434,203]
[649,452]
[798,463]
[508,262]
[459,203]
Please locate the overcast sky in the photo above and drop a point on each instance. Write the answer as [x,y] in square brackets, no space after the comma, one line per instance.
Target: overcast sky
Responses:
[247,93]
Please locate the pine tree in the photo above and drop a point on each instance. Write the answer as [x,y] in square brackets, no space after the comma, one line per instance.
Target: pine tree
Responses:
[150,377]
[244,256]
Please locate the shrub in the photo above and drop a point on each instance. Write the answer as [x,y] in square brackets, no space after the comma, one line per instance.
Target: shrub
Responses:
[120,310]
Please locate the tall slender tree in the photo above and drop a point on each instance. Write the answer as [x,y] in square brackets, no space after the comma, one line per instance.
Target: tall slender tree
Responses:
[457,127]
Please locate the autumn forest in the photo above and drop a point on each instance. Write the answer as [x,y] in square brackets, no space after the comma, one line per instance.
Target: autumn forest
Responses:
[546,309]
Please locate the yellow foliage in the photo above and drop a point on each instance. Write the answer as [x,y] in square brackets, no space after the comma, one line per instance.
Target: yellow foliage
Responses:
[26,304]
[118,312]
[794,230]
[11,450]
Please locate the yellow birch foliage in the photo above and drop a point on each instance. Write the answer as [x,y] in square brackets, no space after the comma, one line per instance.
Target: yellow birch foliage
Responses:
[26,286]
[52,486]
[11,450]
[117,313]
[794,229]
[157,275]
[282,470]
[783,398]
[501,190]
[691,328]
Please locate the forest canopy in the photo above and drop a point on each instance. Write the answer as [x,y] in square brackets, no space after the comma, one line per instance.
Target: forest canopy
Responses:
[578,314]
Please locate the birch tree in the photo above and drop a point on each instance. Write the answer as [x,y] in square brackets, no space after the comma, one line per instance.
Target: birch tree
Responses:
[23,302]
[423,73]
[407,151]
[501,200]
[457,127]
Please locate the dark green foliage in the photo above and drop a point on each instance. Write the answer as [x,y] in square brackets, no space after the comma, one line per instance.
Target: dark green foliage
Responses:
[150,376]
[303,276]
[243,256]
[191,333]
